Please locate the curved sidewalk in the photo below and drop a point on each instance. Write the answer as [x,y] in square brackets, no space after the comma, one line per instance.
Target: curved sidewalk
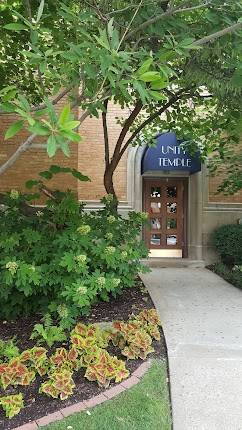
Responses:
[202,322]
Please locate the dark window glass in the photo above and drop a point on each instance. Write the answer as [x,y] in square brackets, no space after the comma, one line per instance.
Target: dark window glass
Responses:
[171,223]
[171,192]
[171,208]
[155,192]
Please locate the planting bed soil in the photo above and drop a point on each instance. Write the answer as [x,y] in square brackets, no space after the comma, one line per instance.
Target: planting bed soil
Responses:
[133,300]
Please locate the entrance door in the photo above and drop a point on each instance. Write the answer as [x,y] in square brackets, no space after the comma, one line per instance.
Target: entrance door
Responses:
[164,201]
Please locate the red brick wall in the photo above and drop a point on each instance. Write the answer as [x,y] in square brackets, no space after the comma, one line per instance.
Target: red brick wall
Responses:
[217,180]
[91,156]
[88,157]
[34,160]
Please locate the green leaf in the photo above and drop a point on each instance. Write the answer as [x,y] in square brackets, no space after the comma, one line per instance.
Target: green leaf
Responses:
[39,129]
[103,40]
[15,27]
[7,107]
[23,102]
[40,10]
[64,115]
[71,125]
[46,174]
[51,146]
[156,95]
[10,95]
[110,28]
[149,76]
[159,84]
[145,66]
[34,37]
[79,176]
[141,90]
[31,183]
[55,169]
[63,145]
[51,110]
[187,41]
[14,129]
[71,135]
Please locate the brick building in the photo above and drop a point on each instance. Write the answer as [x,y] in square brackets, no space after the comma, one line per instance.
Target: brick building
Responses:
[183,205]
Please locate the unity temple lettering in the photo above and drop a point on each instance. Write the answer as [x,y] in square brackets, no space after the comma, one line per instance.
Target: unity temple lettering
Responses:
[171,155]
[170,161]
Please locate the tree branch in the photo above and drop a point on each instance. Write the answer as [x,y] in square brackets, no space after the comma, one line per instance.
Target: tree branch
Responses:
[129,121]
[151,118]
[132,6]
[218,34]
[105,133]
[28,10]
[22,148]
[130,23]
[169,12]
[97,11]
[43,105]
[54,101]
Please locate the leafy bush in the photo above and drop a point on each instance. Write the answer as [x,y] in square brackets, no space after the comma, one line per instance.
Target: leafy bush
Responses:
[61,259]
[228,242]
[234,275]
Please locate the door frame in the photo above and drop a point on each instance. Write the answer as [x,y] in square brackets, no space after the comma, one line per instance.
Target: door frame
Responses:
[185,181]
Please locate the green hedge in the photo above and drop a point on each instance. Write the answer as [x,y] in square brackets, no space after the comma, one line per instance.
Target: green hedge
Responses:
[228,242]
[233,276]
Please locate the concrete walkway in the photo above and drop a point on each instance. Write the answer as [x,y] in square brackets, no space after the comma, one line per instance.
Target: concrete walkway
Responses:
[202,321]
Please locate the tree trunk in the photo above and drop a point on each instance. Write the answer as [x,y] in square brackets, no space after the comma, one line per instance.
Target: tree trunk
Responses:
[108,181]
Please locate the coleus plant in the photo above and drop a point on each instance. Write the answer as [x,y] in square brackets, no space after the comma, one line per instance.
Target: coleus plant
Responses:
[134,338]
[104,368]
[15,373]
[12,404]
[150,321]
[36,358]
[84,337]
[59,385]
[65,359]
[150,316]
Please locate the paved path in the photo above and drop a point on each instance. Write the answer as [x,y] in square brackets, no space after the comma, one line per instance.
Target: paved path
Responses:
[202,321]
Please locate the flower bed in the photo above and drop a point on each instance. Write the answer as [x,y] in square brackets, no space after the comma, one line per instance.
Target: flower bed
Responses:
[121,341]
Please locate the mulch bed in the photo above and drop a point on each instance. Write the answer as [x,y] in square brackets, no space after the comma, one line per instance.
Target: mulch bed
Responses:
[133,300]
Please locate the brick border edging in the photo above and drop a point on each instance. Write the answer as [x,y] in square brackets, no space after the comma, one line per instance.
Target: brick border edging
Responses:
[90,403]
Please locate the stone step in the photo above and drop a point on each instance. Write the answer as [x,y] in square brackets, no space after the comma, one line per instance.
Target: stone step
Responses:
[173,262]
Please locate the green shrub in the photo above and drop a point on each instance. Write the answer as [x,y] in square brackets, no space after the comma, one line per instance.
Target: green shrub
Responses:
[233,276]
[228,242]
[61,259]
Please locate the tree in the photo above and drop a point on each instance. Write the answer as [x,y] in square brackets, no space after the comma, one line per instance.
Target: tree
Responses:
[175,64]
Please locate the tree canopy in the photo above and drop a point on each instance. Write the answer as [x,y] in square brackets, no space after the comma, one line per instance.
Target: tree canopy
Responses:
[177,65]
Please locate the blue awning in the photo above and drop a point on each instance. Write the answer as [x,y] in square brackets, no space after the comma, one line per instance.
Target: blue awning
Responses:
[169,155]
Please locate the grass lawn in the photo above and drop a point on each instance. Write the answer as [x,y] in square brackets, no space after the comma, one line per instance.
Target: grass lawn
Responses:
[143,407]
